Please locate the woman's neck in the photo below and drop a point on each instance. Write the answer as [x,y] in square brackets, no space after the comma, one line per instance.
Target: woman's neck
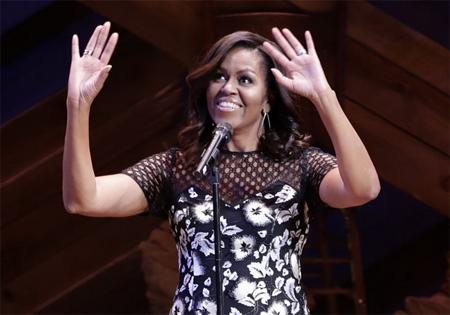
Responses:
[242,143]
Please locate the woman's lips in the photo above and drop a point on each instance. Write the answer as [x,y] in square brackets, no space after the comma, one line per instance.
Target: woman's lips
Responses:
[227,106]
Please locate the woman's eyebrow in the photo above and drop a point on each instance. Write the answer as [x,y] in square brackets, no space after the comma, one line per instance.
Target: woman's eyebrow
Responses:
[246,70]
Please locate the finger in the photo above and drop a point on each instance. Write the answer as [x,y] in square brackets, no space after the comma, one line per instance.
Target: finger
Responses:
[310,43]
[103,75]
[293,41]
[276,54]
[91,44]
[109,49]
[282,80]
[284,44]
[75,47]
[101,40]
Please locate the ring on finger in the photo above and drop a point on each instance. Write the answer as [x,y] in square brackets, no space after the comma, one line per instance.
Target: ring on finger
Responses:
[88,52]
[301,52]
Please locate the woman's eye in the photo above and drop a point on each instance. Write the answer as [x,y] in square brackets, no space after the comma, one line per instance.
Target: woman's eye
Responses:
[219,76]
[245,80]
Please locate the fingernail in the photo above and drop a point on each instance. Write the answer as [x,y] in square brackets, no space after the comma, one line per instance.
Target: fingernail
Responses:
[108,68]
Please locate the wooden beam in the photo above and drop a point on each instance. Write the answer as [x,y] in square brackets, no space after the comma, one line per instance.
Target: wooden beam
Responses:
[153,131]
[398,96]
[316,6]
[45,280]
[251,6]
[139,71]
[29,162]
[398,43]
[175,27]
[401,159]
[125,293]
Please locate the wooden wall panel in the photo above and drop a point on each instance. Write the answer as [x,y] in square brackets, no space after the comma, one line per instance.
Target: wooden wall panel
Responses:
[402,160]
[151,123]
[47,279]
[115,125]
[138,71]
[157,21]
[397,96]
[399,44]
[98,294]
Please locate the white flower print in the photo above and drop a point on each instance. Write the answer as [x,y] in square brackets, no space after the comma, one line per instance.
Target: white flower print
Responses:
[205,292]
[300,244]
[207,307]
[295,266]
[242,246]
[263,249]
[242,292]
[284,215]
[197,266]
[276,308]
[257,213]
[226,229]
[192,286]
[261,293]
[230,275]
[206,246]
[203,212]
[186,279]
[262,233]
[182,199]
[290,290]
[180,215]
[192,193]
[279,281]
[279,264]
[208,197]
[276,245]
[286,194]
[183,240]
[177,308]
[234,311]
[257,270]
[208,282]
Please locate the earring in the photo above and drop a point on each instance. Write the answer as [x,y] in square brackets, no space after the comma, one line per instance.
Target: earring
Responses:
[265,115]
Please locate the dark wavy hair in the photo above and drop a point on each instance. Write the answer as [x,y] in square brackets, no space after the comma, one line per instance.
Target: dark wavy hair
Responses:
[282,141]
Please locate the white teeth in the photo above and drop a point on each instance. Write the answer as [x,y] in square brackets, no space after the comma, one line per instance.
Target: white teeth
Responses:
[228,105]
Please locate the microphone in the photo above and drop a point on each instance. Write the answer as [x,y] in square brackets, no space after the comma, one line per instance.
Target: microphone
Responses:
[221,135]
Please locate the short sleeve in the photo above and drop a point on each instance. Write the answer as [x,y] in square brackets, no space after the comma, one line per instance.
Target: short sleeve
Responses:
[153,175]
[316,164]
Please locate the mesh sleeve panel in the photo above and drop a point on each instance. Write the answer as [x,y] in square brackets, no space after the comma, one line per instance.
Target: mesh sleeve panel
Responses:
[153,176]
[316,165]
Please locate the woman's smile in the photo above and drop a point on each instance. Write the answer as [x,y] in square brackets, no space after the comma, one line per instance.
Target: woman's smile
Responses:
[227,105]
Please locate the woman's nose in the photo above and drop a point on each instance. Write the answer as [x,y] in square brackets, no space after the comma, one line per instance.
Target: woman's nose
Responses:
[228,88]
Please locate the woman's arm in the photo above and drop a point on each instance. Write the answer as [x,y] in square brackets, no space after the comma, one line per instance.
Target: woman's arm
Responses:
[83,192]
[355,180]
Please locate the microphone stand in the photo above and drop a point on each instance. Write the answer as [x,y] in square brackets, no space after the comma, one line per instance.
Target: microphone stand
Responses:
[217,236]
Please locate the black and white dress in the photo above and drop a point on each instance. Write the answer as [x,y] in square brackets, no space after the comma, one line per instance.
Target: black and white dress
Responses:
[265,207]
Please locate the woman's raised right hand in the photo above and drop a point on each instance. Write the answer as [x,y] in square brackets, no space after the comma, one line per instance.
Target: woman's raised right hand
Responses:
[88,72]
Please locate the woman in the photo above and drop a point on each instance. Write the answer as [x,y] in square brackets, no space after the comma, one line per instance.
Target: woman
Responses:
[271,180]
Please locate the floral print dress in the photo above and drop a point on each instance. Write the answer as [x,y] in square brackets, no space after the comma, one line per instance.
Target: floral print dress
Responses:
[265,207]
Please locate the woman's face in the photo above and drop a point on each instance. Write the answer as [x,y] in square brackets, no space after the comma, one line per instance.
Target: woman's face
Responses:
[237,93]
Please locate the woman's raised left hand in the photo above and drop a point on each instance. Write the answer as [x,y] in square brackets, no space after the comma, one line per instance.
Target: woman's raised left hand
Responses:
[305,74]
